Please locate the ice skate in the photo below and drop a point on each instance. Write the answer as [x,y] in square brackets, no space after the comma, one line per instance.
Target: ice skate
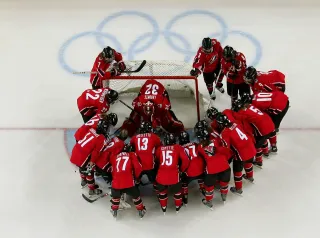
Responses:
[213,95]
[123,204]
[274,149]
[207,203]
[266,154]
[185,199]
[236,191]
[220,89]
[178,208]
[224,197]
[164,209]
[142,212]
[258,164]
[251,180]
[95,192]
[114,213]
[83,183]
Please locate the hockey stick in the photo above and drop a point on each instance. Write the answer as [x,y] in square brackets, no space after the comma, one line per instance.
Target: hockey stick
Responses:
[143,63]
[93,200]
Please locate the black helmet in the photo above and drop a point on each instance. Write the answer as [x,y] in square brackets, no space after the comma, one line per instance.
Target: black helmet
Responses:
[222,120]
[203,135]
[169,139]
[246,98]
[200,125]
[112,119]
[145,127]
[229,53]
[112,96]
[212,112]
[128,148]
[184,138]
[237,105]
[103,127]
[250,75]
[108,54]
[207,45]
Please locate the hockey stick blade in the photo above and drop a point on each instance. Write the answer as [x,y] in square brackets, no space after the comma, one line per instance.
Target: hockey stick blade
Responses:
[93,200]
[143,63]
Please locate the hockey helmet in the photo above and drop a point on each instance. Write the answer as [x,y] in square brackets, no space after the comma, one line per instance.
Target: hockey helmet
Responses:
[222,120]
[246,98]
[108,54]
[103,127]
[112,96]
[207,45]
[128,148]
[200,125]
[250,75]
[145,127]
[229,53]
[112,119]
[237,105]
[212,112]
[184,138]
[169,139]
[203,135]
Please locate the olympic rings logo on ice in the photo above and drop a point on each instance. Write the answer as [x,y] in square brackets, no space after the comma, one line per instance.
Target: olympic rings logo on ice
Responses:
[176,41]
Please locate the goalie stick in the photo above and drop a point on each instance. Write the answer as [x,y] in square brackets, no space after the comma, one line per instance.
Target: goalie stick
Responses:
[143,63]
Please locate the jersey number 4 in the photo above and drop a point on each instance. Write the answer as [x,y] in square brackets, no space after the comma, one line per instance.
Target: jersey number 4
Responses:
[242,135]
[166,157]
[152,89]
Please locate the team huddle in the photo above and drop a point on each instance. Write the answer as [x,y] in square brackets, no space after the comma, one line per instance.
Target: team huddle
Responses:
[153,142]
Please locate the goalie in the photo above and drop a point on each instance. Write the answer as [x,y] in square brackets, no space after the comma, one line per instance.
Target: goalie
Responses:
[153,105]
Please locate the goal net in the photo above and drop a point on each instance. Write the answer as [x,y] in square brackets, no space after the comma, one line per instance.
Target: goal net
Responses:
[186,101]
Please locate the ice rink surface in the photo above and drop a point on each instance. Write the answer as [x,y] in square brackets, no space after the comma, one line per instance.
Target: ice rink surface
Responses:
[42,42]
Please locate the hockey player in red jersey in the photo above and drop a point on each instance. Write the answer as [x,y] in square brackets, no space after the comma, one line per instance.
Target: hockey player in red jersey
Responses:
[262,124]
[159,115]
[272,80]
[172,160]
[125,170]
[275,103]
[233,66]
[152,89]
[207,60]
[217,168]
[243,147]
[111,118]
[86,151]
[144,145]
[108,63]
[92,102]
[195,170]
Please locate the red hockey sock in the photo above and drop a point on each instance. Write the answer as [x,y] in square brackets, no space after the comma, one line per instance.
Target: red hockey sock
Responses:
[115,202]
[259,155]
[224,187]
[138,203]
[90,181]
[201,184]
[238,179]
[265,149]
[185,189]
[273,140]
[163,198]
[248,167]
[178,199]
[209,192]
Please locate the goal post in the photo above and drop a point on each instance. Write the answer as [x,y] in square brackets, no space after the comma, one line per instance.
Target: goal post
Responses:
[182,88]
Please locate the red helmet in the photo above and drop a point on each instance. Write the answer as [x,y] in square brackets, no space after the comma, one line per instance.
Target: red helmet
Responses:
[148,108]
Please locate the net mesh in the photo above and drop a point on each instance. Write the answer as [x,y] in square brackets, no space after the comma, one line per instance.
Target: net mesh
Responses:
[174,75]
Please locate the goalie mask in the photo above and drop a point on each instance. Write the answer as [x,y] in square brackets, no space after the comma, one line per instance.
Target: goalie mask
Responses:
[148,108]
[108,54]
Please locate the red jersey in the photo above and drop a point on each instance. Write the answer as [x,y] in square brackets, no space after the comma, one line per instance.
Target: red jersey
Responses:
[145,145]
[273,102]
[83,130]
[239,142]
[153,88]
[111,147]
[228,113]
[88,148]
[262,122]
[272,80]
[92,102]
[103,69]
[169,158]
[196,165]
[125,169]
[208,62]
[234,71]
[215,162]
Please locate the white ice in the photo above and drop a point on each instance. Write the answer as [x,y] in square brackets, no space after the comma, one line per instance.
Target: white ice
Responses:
[40,189]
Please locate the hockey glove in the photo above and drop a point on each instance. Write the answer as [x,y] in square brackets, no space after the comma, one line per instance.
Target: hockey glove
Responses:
[195,72]
[122,66]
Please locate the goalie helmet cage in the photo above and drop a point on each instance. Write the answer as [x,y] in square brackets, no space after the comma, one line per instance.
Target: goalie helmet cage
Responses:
[174,75]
